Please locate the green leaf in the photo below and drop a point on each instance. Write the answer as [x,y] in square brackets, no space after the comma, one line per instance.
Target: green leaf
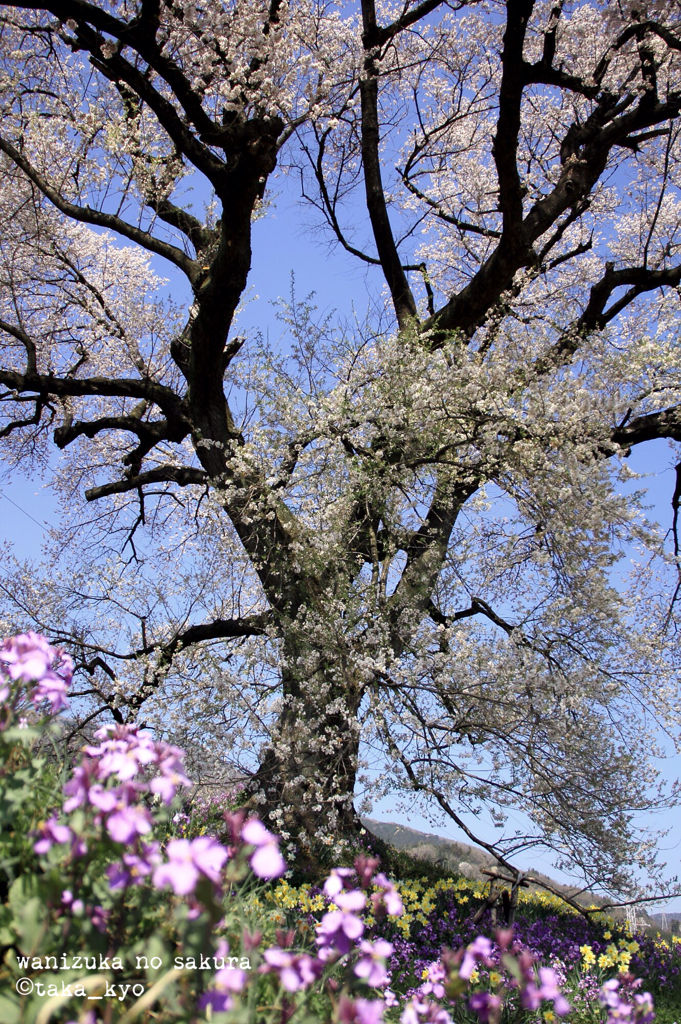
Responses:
[25,887]
[24,736]
[10,1009]
[151,947]
[31,926]
[7,935]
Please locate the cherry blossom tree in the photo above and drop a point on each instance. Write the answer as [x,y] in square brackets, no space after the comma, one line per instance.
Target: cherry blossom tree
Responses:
[397,541]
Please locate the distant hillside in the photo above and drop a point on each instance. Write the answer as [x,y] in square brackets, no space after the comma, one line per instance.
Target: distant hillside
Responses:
[436,849]
[658,920]
[462,859]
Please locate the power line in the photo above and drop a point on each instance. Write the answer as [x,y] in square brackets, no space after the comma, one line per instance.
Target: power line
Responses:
[43,526]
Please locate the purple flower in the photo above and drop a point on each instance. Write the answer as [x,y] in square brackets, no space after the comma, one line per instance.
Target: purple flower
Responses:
[351,900]
[220,1002]
[231,979]
[389,998]
[643,1008]
[134,867]
[188,862]
[387,901]
[295,970]
[338,930]
[266,861]
[530,996]
[371,965]
[50,833]
[620,1009]
[78,847]
[123,751]
[227,980]
[336,882]
[100,918]
[77,787]
[549,990]
[485,1005]
[75,906]
[29,658]
[434,983]
[166,785]
[420,1011]
[254,833]
[103,799]
[360,1011]
[126,823]
[480,949]
[52,689]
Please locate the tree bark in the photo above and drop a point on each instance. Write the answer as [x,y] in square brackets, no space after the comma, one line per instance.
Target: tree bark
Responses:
[306,779]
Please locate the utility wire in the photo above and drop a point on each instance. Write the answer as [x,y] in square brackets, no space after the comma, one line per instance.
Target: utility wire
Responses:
[43,526]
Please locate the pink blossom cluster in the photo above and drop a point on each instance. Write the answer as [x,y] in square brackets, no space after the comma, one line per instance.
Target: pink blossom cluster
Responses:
[110,782]
[535,987]
[342,927]
[424,1011]
[123,753]
[227,981]
[46,671]
[265,860]
[339,933]
[189,861]
[359,1011]
[630,1007]
[532,995]
[50,833]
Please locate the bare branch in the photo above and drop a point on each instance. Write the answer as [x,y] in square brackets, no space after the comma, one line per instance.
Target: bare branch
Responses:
[402,297]
[411,17]
[627,903]
[595,316]
[28,343]
[150,433]
[45,384]
[217,629]
[508,124]
[86,215]
[585,151]
[184,476]
[650,427]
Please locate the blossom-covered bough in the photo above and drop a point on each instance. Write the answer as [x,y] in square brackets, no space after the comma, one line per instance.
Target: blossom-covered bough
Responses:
[403,534]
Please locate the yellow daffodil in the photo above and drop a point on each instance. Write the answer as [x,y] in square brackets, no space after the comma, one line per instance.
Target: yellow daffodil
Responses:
[588,955]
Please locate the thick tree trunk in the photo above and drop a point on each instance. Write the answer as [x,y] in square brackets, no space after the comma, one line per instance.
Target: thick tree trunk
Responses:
[306,780]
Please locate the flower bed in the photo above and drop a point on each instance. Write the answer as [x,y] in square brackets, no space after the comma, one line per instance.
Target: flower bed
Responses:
[584,953]
[109,915]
